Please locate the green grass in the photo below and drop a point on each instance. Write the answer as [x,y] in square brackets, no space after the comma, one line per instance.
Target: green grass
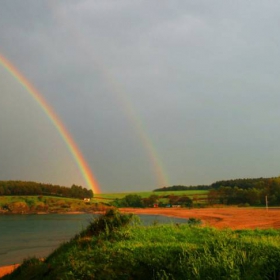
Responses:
[62,204]
[109,197]
[112,251]
[101,198]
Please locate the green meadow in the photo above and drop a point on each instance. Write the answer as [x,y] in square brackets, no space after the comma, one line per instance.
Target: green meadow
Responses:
[108,197]
[56,204]
[116,246]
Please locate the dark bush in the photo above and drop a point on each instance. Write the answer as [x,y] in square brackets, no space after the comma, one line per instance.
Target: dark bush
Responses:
[194,222]
[107,223]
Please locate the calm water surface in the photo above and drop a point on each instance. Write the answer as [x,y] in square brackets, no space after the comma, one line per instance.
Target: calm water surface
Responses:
[23,236]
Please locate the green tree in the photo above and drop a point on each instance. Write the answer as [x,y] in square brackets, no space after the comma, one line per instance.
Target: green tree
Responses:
[133,200]
[150,201]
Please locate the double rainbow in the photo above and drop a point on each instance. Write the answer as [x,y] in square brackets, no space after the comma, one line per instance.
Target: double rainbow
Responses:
[82,43]
[68,139]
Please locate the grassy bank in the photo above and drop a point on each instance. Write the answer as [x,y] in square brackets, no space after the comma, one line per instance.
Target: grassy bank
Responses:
[48,204]
[111,249]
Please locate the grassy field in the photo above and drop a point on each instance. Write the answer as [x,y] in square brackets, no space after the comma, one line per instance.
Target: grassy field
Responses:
[99,198]
[108,250]
[108,197]
[26,204]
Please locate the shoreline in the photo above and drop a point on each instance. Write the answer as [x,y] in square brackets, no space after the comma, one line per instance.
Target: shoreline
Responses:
[4,270]
[230,217]
[6,213]
[48,213]
[220,217]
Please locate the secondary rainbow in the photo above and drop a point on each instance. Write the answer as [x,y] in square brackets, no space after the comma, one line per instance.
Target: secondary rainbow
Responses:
[68,139]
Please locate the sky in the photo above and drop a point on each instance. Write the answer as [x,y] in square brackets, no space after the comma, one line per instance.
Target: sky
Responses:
[154,93]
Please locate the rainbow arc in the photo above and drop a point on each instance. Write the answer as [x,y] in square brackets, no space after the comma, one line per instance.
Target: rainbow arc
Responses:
[66,136]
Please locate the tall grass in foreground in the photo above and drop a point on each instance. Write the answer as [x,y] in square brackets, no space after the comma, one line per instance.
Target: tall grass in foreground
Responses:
[111,248]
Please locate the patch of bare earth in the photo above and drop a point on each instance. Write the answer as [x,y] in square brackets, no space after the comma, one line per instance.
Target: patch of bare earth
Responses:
[233,217]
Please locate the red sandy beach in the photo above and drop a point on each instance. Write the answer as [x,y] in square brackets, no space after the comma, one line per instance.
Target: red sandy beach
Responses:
[233,217]
[7,269]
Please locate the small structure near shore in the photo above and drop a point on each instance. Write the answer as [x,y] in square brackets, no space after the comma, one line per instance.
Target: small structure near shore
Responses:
[176,206]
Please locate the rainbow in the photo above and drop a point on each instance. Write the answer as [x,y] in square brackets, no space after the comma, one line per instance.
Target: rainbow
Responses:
[162,178]
[67,138]
[117,88]
[138,125]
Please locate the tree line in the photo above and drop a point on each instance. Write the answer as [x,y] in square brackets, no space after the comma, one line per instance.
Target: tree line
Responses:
[246,191]
[257,183]
[252,191]
[33,188]
[135,200]
[182,188]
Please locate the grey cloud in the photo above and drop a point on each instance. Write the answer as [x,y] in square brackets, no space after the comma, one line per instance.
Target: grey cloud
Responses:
[201,77]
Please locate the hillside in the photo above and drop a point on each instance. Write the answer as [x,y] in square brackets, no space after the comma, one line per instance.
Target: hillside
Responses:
[45,204]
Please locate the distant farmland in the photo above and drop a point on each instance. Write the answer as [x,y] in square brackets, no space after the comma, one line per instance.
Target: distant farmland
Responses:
[197,195]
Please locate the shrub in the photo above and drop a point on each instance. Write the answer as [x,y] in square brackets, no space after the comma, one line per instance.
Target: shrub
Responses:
[194,222]
[107,223]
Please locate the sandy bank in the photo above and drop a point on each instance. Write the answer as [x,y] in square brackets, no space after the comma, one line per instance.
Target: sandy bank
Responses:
[233,217]
[7,269]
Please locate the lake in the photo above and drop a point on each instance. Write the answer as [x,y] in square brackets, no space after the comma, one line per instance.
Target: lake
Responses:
[23,236]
